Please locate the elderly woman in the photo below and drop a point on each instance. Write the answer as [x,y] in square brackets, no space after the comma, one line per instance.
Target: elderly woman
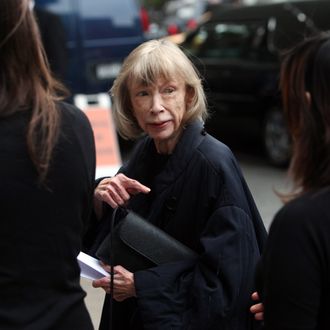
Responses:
[189,184]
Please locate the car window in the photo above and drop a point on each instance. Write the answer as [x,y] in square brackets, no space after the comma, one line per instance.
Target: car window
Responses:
[226,40]
[220,40]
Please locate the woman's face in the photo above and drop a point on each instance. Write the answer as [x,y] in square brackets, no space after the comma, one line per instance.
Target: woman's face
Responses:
[159,110]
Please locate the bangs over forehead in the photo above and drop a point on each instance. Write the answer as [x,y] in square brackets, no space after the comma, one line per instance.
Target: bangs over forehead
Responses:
[160,60]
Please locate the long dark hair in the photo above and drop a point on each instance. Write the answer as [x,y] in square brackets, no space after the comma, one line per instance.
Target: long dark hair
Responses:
[26,82]
[305,86]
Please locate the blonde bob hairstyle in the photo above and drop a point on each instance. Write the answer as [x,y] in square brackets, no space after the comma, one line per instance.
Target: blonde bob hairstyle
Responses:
[148,62]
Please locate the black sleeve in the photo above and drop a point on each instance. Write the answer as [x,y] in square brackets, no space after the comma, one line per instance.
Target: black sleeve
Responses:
[210,293]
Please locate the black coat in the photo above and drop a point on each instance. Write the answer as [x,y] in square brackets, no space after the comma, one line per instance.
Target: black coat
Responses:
[199,196]
[41,228]
[294,273]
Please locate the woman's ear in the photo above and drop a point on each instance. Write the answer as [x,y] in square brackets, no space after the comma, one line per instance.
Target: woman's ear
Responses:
[190,93]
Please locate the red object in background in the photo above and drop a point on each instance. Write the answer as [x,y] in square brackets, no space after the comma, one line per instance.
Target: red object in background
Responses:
[144,19]
[172,29]
[191,24]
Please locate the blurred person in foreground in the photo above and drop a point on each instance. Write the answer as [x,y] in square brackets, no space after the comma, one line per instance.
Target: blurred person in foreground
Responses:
[47,178]
[189,184]
[293,277]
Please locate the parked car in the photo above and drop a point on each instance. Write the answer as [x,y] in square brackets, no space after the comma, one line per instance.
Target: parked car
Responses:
[238,53]
[99,34]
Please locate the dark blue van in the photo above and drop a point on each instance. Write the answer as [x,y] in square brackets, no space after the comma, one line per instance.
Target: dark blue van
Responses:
[98,35]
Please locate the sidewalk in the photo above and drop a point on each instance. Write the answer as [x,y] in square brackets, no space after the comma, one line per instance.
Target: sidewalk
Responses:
[93,300]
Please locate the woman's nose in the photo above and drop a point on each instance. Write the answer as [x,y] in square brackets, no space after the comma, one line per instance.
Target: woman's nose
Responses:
[157,104]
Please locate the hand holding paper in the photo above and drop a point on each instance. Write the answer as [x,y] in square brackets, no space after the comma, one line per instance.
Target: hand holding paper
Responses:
[90,267]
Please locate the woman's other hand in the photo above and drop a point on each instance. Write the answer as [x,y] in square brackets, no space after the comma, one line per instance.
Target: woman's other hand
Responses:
[103,283]
[123,284]
[116,191]
[258,308]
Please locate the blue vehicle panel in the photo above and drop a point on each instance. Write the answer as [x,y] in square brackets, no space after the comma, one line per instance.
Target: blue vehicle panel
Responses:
[99,35]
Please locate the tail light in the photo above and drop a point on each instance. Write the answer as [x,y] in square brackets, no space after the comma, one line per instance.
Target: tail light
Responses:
[172,29]
[144,19]
[191,24]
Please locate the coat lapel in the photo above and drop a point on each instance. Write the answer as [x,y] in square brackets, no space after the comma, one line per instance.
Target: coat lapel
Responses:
[183,152]
[164,182]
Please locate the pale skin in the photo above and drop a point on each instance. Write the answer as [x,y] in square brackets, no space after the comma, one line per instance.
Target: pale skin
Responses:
[159,110]
[116,191]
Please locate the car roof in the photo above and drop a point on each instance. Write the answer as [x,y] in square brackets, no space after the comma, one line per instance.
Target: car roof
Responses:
[297,18]
[244,12]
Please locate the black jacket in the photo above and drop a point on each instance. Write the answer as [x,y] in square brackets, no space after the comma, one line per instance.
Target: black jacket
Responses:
[41,228]
[198,195]
[294,273]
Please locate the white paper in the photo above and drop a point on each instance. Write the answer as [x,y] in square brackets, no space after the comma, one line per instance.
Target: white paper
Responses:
[90,267]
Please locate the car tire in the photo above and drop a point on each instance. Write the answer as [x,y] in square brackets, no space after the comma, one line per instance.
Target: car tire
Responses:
[276,139]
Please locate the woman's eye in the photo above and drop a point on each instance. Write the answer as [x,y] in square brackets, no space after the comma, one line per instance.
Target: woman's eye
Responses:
[142,93]
[169,90]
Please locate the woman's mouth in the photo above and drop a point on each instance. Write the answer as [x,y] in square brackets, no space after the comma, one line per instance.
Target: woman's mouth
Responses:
[159,125]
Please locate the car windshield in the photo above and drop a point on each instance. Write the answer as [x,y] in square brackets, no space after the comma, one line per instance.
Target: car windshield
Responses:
[300,16]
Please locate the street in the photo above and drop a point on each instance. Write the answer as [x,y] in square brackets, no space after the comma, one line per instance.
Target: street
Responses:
[262,179]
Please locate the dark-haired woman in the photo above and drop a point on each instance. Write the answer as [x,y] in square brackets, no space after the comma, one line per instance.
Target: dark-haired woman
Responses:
[294,273]
[47,175]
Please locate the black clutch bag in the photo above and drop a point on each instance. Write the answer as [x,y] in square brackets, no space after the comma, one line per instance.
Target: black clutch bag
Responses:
[136,244]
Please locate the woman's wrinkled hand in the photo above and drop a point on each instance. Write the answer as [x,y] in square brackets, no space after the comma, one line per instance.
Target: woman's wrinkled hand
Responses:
[258,308]
[123,284]
[116,191]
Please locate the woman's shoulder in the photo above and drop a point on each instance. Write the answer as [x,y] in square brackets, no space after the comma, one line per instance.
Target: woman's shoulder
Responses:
[73,117]
[311,202]
[70,111]
[76,136]
[309,210]
[214,149]
[218,155]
